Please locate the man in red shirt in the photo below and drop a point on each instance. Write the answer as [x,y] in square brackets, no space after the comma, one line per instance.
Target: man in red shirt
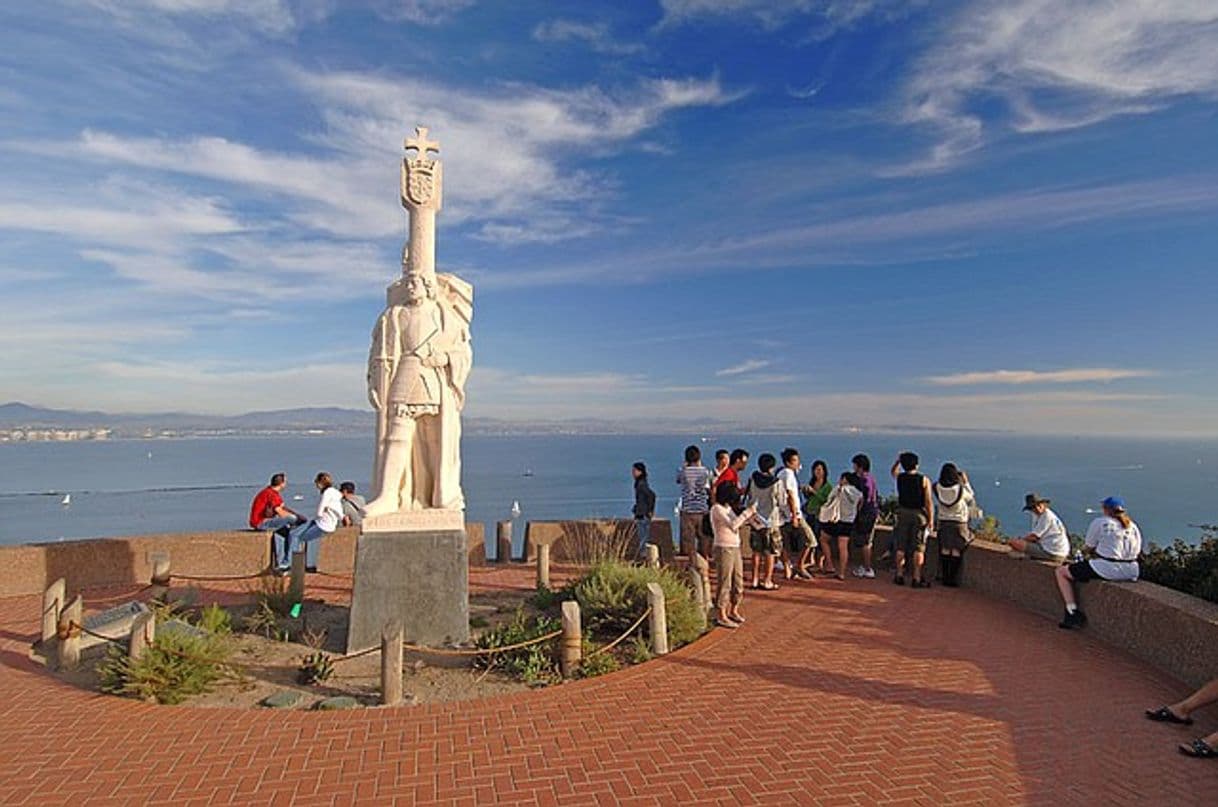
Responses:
[268,512]
[737,462]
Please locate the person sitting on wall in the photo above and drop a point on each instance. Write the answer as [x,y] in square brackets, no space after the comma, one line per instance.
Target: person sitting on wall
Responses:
[329,516]
[268,513]
[1048,539]
[354,505]
[1181,714]
[1114,543]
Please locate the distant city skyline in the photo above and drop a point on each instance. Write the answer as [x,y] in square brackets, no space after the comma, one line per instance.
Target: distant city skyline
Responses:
[962,214]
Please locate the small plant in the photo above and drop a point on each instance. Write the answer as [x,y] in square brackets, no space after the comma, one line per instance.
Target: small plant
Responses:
[263,620]
[990,529]
[315,668]
[593,665]
[639,650]
[479,622]
[546,599]
[313,637]
[588,543]
[176,665]
[215,619]
[534,664]
[273,592]
[612,596]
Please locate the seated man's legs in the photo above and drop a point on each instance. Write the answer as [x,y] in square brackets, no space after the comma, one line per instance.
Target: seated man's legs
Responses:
[298,540]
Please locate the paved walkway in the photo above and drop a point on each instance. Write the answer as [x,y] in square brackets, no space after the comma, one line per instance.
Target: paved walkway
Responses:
[836,694]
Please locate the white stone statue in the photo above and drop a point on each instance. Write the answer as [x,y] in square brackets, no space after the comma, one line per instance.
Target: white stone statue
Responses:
[418,365]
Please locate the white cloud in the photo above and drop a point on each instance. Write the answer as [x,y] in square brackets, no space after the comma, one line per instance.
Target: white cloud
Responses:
[1058,66]
[425,12]
[270,16]
[775,13]
[747,366]
[1020,377]
[596,35]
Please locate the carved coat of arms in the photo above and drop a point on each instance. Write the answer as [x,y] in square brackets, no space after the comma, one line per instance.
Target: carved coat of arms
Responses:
[420,183]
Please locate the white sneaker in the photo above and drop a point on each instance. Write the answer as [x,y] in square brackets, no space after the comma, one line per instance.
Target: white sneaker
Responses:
[857,571]
[869,574]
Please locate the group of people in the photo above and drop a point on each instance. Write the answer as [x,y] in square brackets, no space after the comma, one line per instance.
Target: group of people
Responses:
[336,507]
[810,527]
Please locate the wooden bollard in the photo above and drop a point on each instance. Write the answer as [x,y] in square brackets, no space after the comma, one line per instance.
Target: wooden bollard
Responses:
[543,566]
[69,636]
[699,591]
[572,639]
[296,583]
[392,636]
[659,619]
[653,555]
[161,576]
[52,606]
[503,542]
[143,633]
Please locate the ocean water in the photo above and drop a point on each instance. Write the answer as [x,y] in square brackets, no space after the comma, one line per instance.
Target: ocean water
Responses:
[151,486]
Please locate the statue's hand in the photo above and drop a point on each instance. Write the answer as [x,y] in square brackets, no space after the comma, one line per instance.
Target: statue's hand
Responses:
[435,360]
[374,399]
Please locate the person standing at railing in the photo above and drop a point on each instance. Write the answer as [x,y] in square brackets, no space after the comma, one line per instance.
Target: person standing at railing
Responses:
[1114,543]
[726,524]
[694,479]
[644,506]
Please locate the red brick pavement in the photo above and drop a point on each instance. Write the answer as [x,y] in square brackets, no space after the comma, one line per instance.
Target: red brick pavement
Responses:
[835,694]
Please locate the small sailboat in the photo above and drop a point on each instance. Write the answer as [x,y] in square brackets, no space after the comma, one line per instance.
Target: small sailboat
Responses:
[298,498]
[527,472]
[515,509]
[67,500]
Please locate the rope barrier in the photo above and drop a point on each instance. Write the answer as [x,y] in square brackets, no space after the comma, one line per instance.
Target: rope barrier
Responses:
[488,651]
[219,578]
[341,659]
[621,638]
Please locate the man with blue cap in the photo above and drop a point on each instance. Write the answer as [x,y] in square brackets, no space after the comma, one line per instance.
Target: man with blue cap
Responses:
[1113,543]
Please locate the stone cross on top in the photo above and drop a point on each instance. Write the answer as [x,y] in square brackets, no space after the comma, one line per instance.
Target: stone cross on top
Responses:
[421,144]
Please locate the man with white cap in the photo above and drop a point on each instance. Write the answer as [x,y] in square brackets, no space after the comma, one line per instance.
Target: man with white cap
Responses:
[1114,543]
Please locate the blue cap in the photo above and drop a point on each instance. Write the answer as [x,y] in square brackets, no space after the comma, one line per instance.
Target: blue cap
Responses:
[1114,503]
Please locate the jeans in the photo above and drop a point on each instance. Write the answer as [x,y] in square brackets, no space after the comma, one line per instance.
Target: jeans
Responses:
[643,525]
[308,534]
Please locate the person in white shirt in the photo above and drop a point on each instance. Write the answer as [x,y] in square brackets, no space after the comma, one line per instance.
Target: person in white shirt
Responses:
[836,517]
[329,516]
[954,505]
[1114,543]
[1048,539]
[726,524]
[796,534]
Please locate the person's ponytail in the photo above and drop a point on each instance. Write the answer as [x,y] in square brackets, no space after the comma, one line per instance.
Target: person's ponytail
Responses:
[1124,518]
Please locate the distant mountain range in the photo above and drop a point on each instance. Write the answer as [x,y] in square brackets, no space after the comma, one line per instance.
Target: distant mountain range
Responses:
[336,420]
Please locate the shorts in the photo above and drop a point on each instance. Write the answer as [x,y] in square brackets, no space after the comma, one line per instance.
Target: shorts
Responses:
[953,536]
[1081,571]
[837,529]
[795,538]
[909,535]
[766,541]
[864,529]
[1036,551]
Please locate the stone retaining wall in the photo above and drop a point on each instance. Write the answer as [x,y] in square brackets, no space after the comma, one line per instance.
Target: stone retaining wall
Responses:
[94,563]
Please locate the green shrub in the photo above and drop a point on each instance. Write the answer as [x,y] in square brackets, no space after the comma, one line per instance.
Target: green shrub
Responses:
[534,664]
[273,593]
[591,666]
[1184,567]
[175,666]
[613,595]
[546,599]
[215,619]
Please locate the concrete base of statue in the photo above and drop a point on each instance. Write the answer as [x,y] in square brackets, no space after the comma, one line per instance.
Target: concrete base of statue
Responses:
[413,568]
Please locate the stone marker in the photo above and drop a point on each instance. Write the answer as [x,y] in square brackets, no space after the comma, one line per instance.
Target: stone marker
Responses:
[658,626]
[114,623]
[503,541]
[52,605]
[336,703]
[572,639]
[411,559]
[543,566]
[391,664]
[68,644]
[181,626]
[283,699]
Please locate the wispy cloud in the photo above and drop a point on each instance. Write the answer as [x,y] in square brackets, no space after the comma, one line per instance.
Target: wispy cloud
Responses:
[1056,68]
[747,366]
[595,35]
[770,14]
[1022,377]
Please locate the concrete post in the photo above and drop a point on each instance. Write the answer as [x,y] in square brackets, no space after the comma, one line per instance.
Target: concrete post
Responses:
[543,566]
[160,576]
[659,619]
[503,541]
[653,556]
[52,606]
[296,584]
[703,567]
[699,591]
[572,639]
[391,664]
[143,633]
[69,636]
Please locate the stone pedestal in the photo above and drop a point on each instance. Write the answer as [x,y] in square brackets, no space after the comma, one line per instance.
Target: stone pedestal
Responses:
[419,577]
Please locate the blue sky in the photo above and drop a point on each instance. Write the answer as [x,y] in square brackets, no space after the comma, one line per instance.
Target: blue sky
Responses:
[796,212]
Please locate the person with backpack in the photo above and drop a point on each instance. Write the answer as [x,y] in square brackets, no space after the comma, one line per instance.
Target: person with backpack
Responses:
[954,504]
[868,515]
[836,517]
[766,538]
[915,513]
[644,506]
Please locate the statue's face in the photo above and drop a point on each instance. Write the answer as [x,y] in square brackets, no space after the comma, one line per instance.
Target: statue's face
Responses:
[417,289]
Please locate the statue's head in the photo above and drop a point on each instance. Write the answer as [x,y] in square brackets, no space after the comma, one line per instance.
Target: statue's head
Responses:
[412,288]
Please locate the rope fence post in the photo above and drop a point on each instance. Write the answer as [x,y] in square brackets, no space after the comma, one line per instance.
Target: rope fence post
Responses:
[653,556]
[543,566]
[296,584]
[699,591]
[703,566]
[659,619]
[52,606]
[572,639]
[143,633]
[392,637]
[161,576]
[503,542]
[69,635]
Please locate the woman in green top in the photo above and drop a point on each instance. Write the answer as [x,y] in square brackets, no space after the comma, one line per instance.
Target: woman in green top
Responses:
[816,494]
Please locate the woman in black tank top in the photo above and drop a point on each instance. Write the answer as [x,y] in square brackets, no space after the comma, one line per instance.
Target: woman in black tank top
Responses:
[914,515]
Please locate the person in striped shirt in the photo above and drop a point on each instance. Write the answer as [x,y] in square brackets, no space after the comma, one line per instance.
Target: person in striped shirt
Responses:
[694,479]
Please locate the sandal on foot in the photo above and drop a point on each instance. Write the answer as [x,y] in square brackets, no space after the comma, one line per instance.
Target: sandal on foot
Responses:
[1198,748]
[726,623]
[1166,715]
[739,620]
[770,587]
